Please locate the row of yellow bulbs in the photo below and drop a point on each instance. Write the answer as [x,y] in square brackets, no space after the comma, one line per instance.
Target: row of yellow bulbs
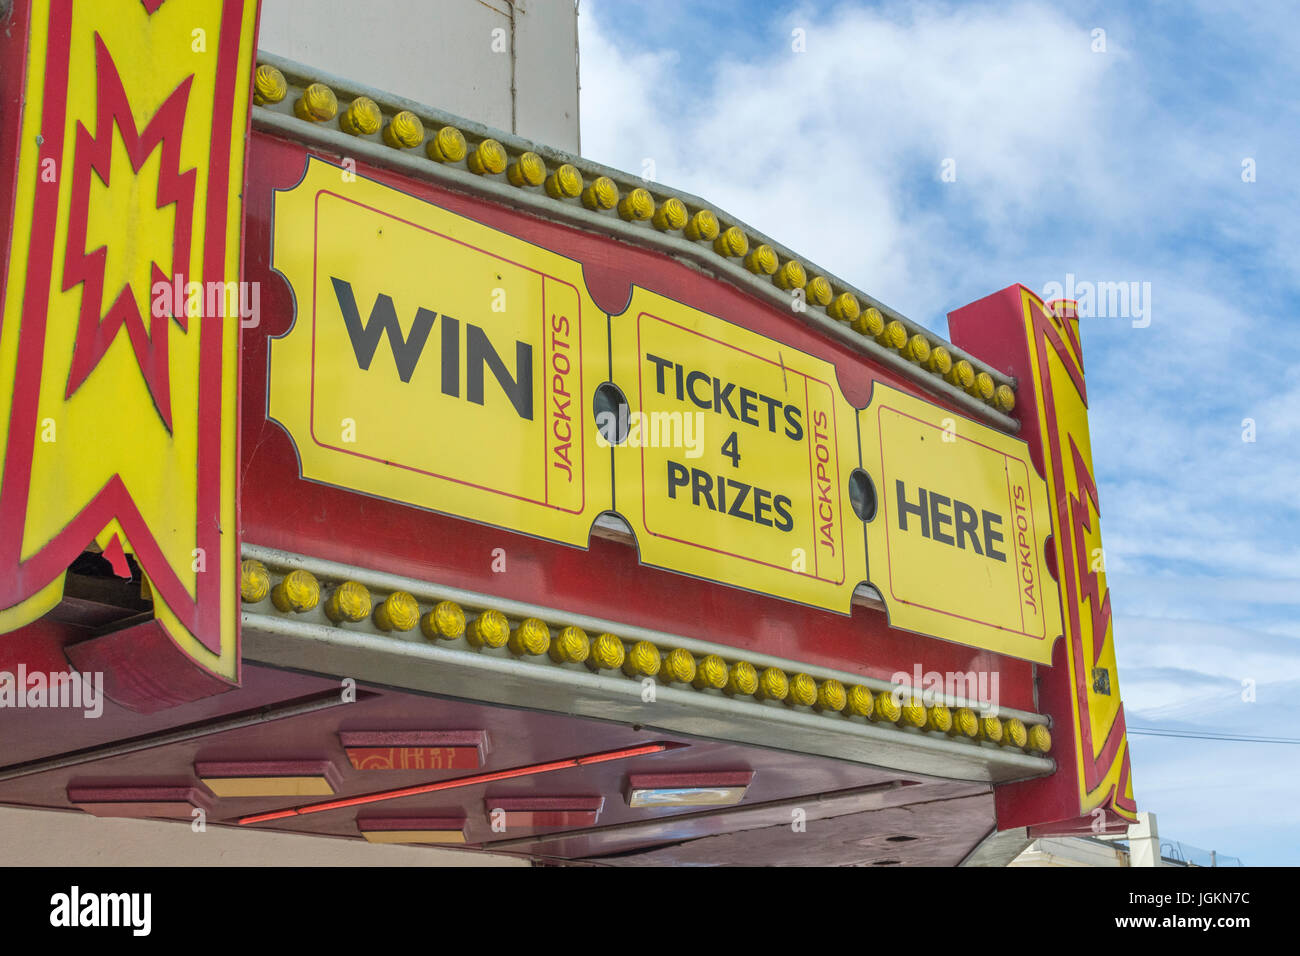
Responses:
[350,602]
[363,117]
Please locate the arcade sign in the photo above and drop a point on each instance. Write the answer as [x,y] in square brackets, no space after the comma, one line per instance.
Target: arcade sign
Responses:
[448,365]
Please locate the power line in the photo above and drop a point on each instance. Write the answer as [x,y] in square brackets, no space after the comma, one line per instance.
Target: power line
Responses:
[1194,735]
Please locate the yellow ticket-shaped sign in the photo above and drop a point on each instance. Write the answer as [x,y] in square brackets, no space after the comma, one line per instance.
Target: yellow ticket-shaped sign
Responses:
[957,547]
[436,361]
[734,459]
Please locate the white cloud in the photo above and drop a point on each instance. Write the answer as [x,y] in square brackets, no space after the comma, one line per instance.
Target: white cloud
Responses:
[822,149]
[1119,166]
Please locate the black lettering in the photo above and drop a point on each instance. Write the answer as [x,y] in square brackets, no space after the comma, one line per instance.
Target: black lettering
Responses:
[919,509]
[772,405]
[731,496]
[748,406]
[383,320]
[660,365]
[722,397]
[794,426]
[938,518]
[690,388]
[450,356]
[519,388]
[967,523]
[784,522]
[678,477]
[737,502]
[702,484]
[991,536]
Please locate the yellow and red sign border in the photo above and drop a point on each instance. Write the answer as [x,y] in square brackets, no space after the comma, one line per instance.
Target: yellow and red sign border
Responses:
[202,628]
[1093,790]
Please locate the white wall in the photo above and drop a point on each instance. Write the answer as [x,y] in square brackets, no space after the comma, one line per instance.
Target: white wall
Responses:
[74,838]
[440,53]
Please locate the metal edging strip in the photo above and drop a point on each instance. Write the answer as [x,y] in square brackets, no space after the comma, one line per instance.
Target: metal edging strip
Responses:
[276,641]
[385,582]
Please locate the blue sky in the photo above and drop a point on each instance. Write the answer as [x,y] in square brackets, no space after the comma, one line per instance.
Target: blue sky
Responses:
[1115,165]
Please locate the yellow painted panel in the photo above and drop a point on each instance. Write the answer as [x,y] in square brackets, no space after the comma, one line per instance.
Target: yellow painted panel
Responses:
[436,361]
[414,836]
[304,786]
[1101,744]
[118,403]
[737,455]
[957,547]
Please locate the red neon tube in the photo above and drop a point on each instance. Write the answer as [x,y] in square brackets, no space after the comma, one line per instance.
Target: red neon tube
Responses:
[525,771]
